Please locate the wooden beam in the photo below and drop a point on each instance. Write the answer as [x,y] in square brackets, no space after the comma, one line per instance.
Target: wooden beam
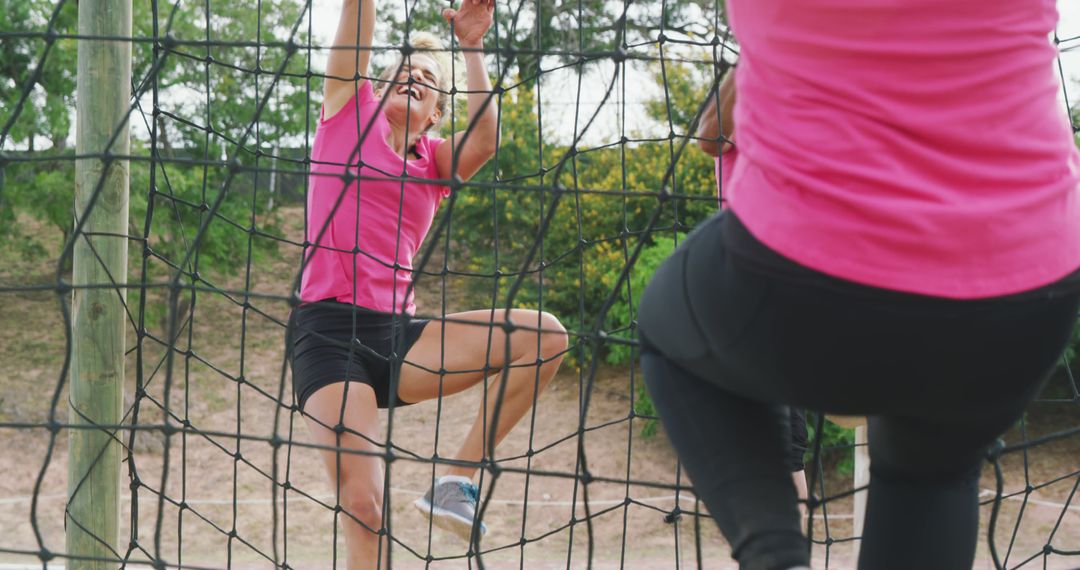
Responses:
[98,315]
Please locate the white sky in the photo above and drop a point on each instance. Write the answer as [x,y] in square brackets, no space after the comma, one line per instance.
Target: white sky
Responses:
[1069,27]
[559,89]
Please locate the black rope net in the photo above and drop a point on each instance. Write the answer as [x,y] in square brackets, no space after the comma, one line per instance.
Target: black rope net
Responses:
[595,181]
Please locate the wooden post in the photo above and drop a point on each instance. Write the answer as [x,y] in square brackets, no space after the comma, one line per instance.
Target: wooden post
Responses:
[862,477]
[98,322]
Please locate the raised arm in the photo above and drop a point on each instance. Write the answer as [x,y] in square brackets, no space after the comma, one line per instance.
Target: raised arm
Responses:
[350,55]
[713,125]
[471,22]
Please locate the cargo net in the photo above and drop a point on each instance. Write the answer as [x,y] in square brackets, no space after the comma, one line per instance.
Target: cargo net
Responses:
[596,179]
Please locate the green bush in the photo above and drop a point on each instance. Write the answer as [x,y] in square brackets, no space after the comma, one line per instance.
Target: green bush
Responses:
[643,406]
[599,203]
[182,197]
[837,445]
[605,200]
[42,190]
[624,311]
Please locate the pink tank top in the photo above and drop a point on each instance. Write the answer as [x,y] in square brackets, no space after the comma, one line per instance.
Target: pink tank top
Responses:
[365,255]
[912,145]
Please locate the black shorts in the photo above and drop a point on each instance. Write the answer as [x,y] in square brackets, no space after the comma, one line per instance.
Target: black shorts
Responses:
[334,342]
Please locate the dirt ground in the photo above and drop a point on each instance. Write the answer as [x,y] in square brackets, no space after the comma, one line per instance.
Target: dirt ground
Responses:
[236,516]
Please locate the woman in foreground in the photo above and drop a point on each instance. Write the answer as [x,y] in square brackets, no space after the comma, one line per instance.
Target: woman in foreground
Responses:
[374,190]
[902,242]
[715,136]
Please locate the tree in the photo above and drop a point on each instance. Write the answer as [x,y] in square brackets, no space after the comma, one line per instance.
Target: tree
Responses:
[46,111]
[553,32]
[225,94]
[208,94]
[592,230]
[685,88]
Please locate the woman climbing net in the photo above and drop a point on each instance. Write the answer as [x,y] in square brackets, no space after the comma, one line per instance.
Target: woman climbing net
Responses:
[351,178]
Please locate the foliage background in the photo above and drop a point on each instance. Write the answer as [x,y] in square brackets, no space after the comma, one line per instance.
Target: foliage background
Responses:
[599,199]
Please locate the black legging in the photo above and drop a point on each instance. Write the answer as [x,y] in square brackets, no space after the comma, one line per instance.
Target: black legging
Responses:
[726,344]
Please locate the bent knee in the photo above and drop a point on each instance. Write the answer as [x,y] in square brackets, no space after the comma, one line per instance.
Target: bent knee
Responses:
[553,339]
[364,505]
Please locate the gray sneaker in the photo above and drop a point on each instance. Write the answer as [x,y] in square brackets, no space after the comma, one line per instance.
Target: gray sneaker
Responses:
[451,504]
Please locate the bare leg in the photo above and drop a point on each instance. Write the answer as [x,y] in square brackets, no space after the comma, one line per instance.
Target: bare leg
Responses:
[524,359]
[358,478]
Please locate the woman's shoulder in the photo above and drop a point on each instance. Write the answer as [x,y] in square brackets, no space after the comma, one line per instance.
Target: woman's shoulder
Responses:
[426,146]
[361,101]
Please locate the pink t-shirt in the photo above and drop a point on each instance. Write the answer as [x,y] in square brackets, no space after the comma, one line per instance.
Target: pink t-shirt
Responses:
[380,222]
[914,145]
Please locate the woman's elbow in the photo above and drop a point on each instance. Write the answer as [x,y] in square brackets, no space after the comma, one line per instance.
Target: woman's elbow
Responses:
[487,143]
[709,145]
[709,136]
